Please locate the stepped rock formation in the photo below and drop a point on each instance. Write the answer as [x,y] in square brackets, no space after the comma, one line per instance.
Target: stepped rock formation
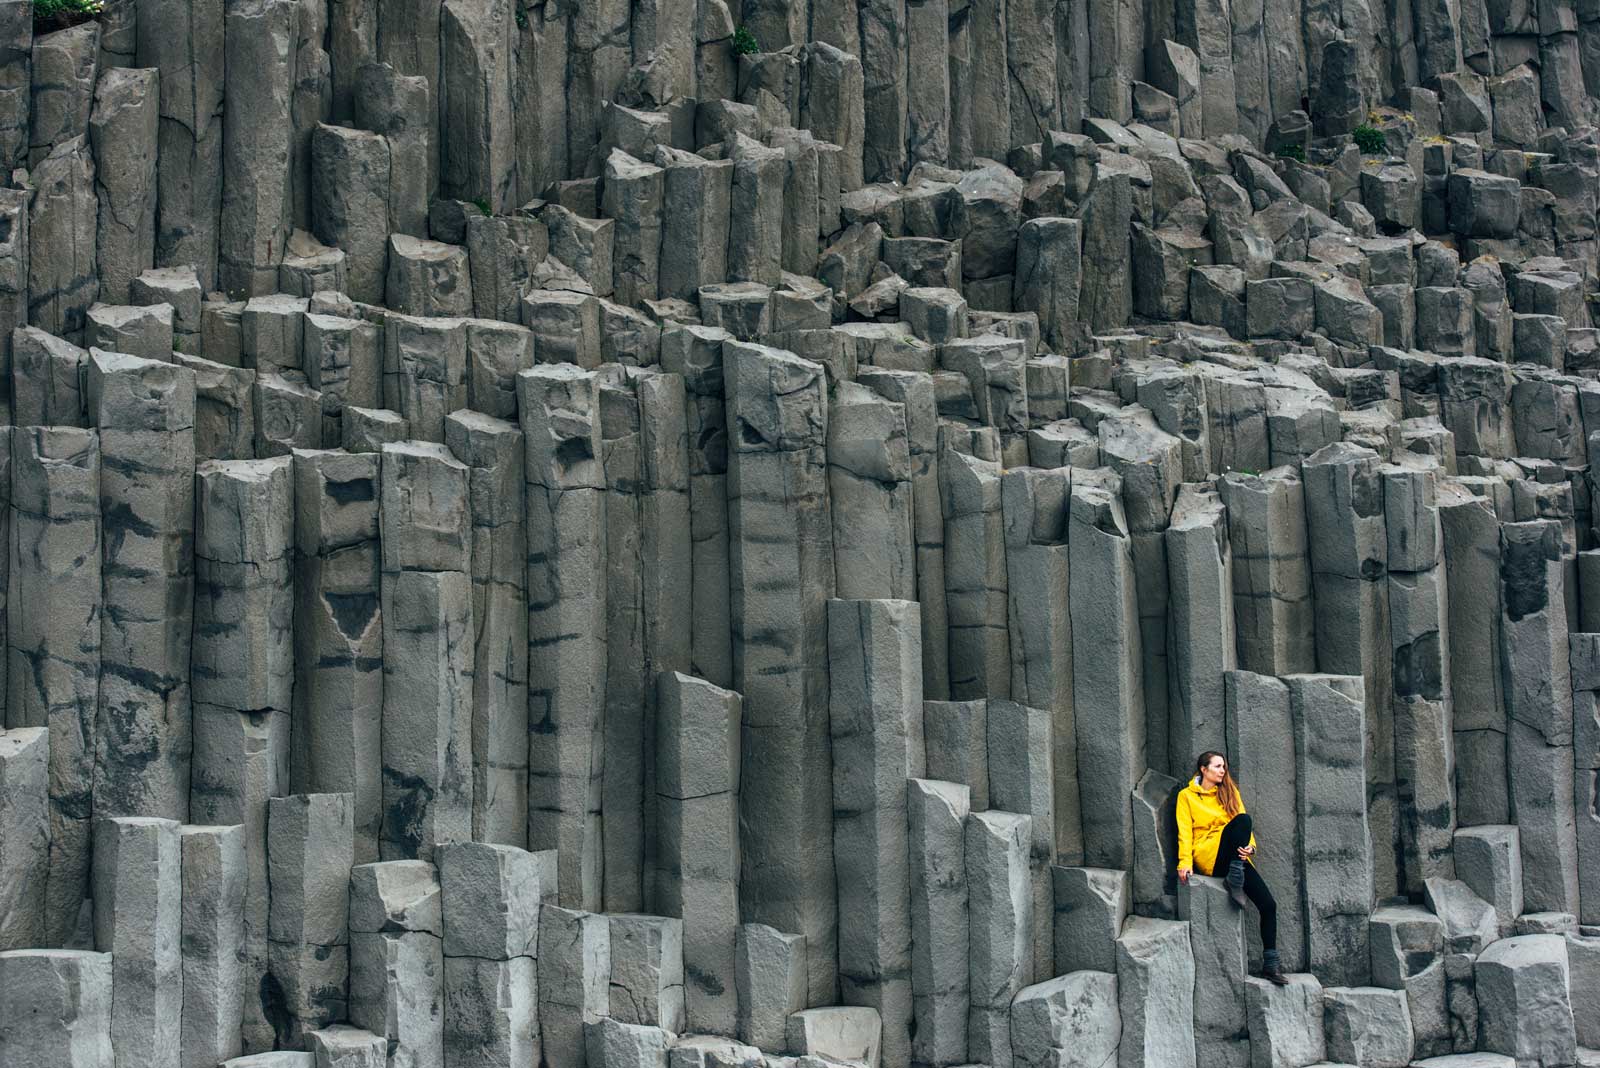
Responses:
[695,533]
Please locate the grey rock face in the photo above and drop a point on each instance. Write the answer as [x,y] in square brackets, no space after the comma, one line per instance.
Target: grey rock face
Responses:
[256,200]
[56,558]
[1520,996]
[1076,1012]
[138,884]
[583,577]
[215,878]
[63,282]
[349,203]
[59,1005]
[123,129]
[24,794]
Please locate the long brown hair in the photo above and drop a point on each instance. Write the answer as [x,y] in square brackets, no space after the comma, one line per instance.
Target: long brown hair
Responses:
[1227,789]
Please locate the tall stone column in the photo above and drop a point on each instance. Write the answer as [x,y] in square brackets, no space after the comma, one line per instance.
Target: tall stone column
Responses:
[695,352]
[667,595]
[633,198]
[14,281]
[492,450]
[1349,557]
[338,635]
[491,897]
[124,130]
[598,53]
[53,650]
[409,41]
[16,81]
[310,848]
[914,391]
[256,198]
[622,800]
[1260,744]
[63,280]
[999,928]
[1539,713]
[696,200]
[352,43]
[1149,462]
[1202,652]
[243,678]
[138,891]
[940,979]
[559,407]
[397,966]
[478,156]
[1586,770]
[975,577]
[1336,843]
[539,99]
[1419,617]
[1471,543]
[1108,683]
[145,413]
[869,483]
[875,712]
[1031,70]
[183,40]
[665,33]
[927,81]
[1038,567]
[310,100]
[697,820]
[428,650]
[350,178]
[1272,598]
[782,574]
[990,81]
[215,880]
[24,835]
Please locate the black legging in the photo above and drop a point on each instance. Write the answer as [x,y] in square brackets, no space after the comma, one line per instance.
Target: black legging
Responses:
[1235,836]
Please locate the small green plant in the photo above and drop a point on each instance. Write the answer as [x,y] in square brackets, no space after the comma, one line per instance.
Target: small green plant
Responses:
[1294,152]
[482,204]
[522,19]
[1370,140]
[59,14]
[744,42]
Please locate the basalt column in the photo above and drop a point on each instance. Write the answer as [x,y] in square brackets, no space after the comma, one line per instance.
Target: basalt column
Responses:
[781,561]
[559,406]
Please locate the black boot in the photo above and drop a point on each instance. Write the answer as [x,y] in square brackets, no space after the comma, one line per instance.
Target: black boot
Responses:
[1272,968]
[1235,881]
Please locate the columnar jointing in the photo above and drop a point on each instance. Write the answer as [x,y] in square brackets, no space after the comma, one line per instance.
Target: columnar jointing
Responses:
[693,533]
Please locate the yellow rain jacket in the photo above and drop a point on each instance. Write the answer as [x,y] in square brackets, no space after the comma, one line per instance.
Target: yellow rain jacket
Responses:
[1201,818]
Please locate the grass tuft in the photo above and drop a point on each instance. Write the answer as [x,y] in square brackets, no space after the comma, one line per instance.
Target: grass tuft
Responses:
[59,14]
[744,42]
[1370,140]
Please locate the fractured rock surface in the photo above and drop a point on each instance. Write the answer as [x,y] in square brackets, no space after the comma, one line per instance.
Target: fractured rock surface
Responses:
[689,534]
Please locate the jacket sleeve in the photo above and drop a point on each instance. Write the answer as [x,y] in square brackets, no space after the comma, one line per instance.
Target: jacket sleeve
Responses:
[1185,833]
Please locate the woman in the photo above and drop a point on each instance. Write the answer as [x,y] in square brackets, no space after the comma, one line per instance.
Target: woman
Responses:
[1213,825]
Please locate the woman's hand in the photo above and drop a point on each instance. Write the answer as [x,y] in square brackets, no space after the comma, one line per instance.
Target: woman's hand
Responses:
[1246,852]
[1183,875]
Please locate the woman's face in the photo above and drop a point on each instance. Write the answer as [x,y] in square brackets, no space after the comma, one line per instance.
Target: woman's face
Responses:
[1214,771]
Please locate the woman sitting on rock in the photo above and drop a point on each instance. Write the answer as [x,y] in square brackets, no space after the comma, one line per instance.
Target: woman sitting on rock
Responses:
[1212,823]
